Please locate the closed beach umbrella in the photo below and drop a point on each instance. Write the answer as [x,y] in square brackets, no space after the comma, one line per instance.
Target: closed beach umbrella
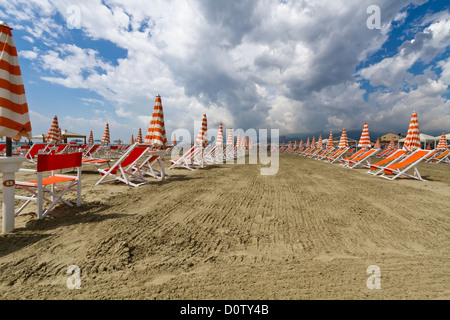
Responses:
[54,134]
[364,141]
[139,136]
[202,137]
[319,143]
[308,143]
[174,140]
[105,138]
[156,133]
[313,142]
[343,142]
[219,140]
[412,140]
[330,141]
[391,144]
[238,140]
[442,145]
[14,117]
[301,145]
[132,139]
[377,144]
[91,138]
[230,141]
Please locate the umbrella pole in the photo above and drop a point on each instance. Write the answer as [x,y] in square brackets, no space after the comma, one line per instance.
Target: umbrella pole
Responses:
[8,147]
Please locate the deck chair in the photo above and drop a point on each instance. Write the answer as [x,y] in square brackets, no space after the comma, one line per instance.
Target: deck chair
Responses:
[337,156]
[443,157]
[325,153]
[91,151]
[34,150]
[353,156]
[50,184]
[185,161]
[359,161]
[124,169]
[408,163]
[397,156]
[433,154]
[146,167]
[315,153]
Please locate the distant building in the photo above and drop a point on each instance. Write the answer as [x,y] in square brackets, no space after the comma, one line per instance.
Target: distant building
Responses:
[386,138]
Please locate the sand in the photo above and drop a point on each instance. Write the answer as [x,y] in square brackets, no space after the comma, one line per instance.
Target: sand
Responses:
[226,232]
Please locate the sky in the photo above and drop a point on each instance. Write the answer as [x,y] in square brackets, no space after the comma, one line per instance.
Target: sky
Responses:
[301,66]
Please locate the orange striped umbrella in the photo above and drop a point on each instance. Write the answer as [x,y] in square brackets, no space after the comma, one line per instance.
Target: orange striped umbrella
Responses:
[230,141]
[377,144]
[105,138]
[319,143]
[174,140]
[139,136]
[202,137]
[313,142]
[53,133]
[91,138]
[308,143]
[14,117]
[238,140]
[156,134]
[391,144]
[220,135]
[343,142]
[330,141]
[412,140]
[364,141]
[132,139]
[442,145]
[301,144]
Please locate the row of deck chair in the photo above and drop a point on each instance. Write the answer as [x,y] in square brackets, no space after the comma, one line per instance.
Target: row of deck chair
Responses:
[135,167]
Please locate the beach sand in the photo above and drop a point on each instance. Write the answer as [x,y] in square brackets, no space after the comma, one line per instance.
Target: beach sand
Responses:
[226,232]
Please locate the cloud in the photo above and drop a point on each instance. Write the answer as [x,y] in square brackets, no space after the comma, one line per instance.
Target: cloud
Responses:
[250,64]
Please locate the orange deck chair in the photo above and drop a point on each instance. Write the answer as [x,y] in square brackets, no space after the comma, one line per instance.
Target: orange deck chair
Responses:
[408,163]
[398,154]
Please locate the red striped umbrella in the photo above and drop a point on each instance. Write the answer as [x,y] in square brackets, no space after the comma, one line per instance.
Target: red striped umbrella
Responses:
[412,140]
[139,136]
[343,142]
[238,140]
[308,144]
[156,134]
[91,138]
[14,117]
[53,133]
[230,141]
[330,141]
[132,139]
[391,144]
[319,144]
[377,144]
[442,145]
[220,135]
[301,145]
[364,141]
[105,138]
[313,142]
[202,137]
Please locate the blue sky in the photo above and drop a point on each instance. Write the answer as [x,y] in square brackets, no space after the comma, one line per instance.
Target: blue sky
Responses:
[300,67]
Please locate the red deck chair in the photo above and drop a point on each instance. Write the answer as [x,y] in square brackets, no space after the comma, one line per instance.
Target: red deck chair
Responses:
[34,150]
[38,188]
[124,169]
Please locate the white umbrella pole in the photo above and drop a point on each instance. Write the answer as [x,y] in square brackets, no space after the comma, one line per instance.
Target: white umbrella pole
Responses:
[9,165]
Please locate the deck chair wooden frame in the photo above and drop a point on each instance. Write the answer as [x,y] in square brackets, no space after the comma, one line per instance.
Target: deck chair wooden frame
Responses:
[401,168]
[50,185]
[124,169]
